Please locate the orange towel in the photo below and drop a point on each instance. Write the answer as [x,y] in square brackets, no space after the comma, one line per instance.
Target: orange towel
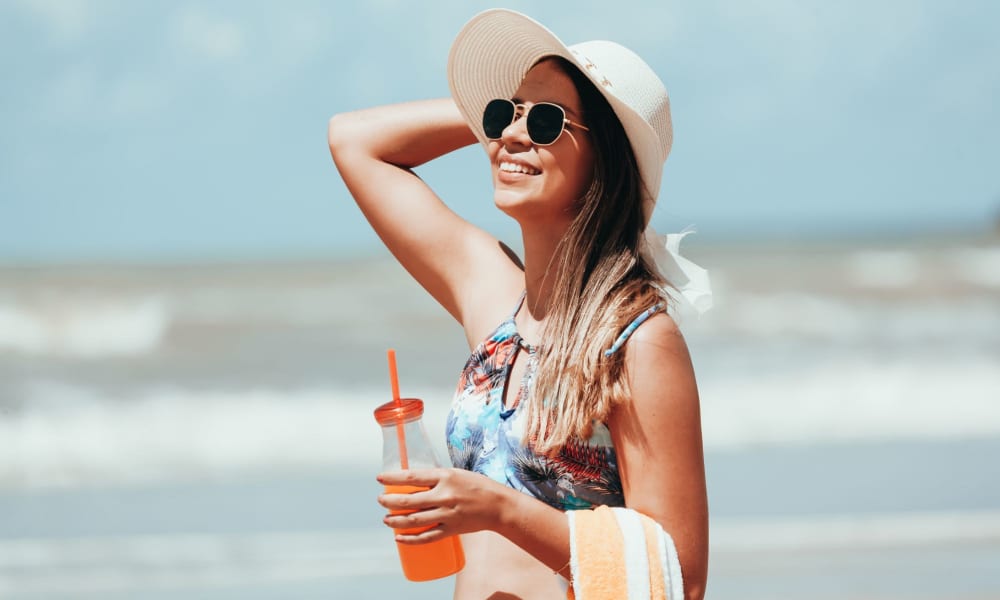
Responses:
[618,553]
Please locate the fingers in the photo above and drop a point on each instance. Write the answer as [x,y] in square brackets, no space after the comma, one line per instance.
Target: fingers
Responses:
[425,478]
[414,489]
[407,502]
[431,535]
[420,527]
[416,520]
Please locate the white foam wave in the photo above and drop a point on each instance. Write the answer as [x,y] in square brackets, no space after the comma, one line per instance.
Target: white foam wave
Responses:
[846,400]
[883,268]
[84,327]
[782,314]
[69,436]
[979,266]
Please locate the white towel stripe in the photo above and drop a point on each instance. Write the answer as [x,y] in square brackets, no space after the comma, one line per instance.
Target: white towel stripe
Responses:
[574,564]
[671,564]
[636,557]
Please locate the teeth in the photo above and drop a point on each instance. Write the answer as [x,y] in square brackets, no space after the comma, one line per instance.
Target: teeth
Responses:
[516,168]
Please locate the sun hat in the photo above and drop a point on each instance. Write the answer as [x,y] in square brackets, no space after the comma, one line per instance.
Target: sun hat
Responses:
[494,51]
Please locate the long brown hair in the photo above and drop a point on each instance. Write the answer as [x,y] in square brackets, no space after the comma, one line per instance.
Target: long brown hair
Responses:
[602,282]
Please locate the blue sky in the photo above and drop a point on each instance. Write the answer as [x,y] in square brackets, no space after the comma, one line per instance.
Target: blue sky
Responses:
[172,130]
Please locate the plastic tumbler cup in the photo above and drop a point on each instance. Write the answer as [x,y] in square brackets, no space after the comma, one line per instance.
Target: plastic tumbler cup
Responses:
[405,446]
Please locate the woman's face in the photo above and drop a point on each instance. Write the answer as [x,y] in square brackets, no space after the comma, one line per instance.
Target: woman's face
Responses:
[543,183]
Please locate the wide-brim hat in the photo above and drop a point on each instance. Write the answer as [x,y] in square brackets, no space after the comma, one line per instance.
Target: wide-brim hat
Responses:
[494,51]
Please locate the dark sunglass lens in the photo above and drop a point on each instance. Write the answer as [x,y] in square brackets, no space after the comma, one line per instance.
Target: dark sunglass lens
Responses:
[497,115]
[545,123]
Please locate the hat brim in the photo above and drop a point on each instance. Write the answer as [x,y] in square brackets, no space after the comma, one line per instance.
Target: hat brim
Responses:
[491,56]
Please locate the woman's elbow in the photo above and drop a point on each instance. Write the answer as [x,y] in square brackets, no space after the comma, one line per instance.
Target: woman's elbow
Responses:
[694,590]
[695,574]
[338,132]
[695,578]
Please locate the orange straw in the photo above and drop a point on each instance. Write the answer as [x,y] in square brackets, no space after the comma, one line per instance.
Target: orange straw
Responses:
[400,432]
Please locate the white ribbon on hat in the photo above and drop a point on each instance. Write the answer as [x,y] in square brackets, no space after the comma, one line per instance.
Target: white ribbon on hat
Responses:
[691,285]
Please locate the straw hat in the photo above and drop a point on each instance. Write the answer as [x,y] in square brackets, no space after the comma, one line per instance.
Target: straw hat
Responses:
[494,51]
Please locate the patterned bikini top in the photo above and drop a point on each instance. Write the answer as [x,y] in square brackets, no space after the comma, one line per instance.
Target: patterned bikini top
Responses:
[486,437]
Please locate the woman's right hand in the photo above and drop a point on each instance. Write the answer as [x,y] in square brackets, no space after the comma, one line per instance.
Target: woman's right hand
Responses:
[457,501]
[463,267]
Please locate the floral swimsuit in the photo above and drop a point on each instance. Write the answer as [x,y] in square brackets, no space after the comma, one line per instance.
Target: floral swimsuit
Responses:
[486,437]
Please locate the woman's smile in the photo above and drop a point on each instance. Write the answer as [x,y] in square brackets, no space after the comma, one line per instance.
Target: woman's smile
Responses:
[507,166]
[512,171]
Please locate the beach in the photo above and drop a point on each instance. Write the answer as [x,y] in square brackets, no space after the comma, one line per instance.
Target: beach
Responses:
[871,521]
[206,431]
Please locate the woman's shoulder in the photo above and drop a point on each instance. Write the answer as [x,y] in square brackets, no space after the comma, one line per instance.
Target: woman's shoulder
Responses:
[658,349]
[658,329]
[662,388]
[660,326]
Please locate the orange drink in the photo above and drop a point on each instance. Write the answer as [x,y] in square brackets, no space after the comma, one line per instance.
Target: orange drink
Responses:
[426,561]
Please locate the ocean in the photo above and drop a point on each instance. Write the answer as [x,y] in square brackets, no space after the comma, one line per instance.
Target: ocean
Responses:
[206,431]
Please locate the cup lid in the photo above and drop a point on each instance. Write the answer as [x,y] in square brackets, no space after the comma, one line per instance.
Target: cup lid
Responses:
[407,409]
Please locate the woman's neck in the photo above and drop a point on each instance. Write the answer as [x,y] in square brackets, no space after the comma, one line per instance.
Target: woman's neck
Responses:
[540,271]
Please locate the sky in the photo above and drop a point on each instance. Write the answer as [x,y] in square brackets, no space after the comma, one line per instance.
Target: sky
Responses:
[196,131]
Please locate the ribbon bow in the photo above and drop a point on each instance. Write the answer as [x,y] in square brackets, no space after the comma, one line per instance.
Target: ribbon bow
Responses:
[690,283]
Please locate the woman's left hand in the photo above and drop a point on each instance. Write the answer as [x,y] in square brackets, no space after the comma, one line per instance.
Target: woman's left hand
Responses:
[453,501]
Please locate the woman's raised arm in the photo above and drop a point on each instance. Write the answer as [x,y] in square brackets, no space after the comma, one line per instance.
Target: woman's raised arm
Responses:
[375,151]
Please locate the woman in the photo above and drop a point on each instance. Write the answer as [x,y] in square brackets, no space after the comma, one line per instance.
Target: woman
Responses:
[580,390]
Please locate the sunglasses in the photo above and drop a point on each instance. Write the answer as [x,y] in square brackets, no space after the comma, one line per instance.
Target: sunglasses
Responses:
[545,120]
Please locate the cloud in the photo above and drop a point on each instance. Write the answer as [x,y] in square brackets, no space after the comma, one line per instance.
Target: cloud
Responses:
[66,20]
[180,50]
[209,37]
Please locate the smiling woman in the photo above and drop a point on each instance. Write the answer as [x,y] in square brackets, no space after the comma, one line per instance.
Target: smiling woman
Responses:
[539,181]
[579,393]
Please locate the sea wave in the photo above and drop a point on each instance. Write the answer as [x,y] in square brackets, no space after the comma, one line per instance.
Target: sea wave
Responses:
[883,268]
[854,399]
[979,266]
[84,327]
[70,435]
[787,314]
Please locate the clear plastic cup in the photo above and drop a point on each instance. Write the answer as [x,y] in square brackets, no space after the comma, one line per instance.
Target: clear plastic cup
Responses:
[405,445]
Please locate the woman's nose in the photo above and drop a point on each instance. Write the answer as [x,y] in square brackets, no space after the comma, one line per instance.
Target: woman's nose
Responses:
[517,132]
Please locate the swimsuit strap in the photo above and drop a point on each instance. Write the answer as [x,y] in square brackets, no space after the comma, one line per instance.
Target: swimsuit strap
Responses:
[649,312]
[532,350]
[517,307]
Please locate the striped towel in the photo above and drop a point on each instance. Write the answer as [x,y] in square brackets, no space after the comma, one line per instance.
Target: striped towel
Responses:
[618,554]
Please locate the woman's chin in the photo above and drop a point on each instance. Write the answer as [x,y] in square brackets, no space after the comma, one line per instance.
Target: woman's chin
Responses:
[510,201]
[530,208]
